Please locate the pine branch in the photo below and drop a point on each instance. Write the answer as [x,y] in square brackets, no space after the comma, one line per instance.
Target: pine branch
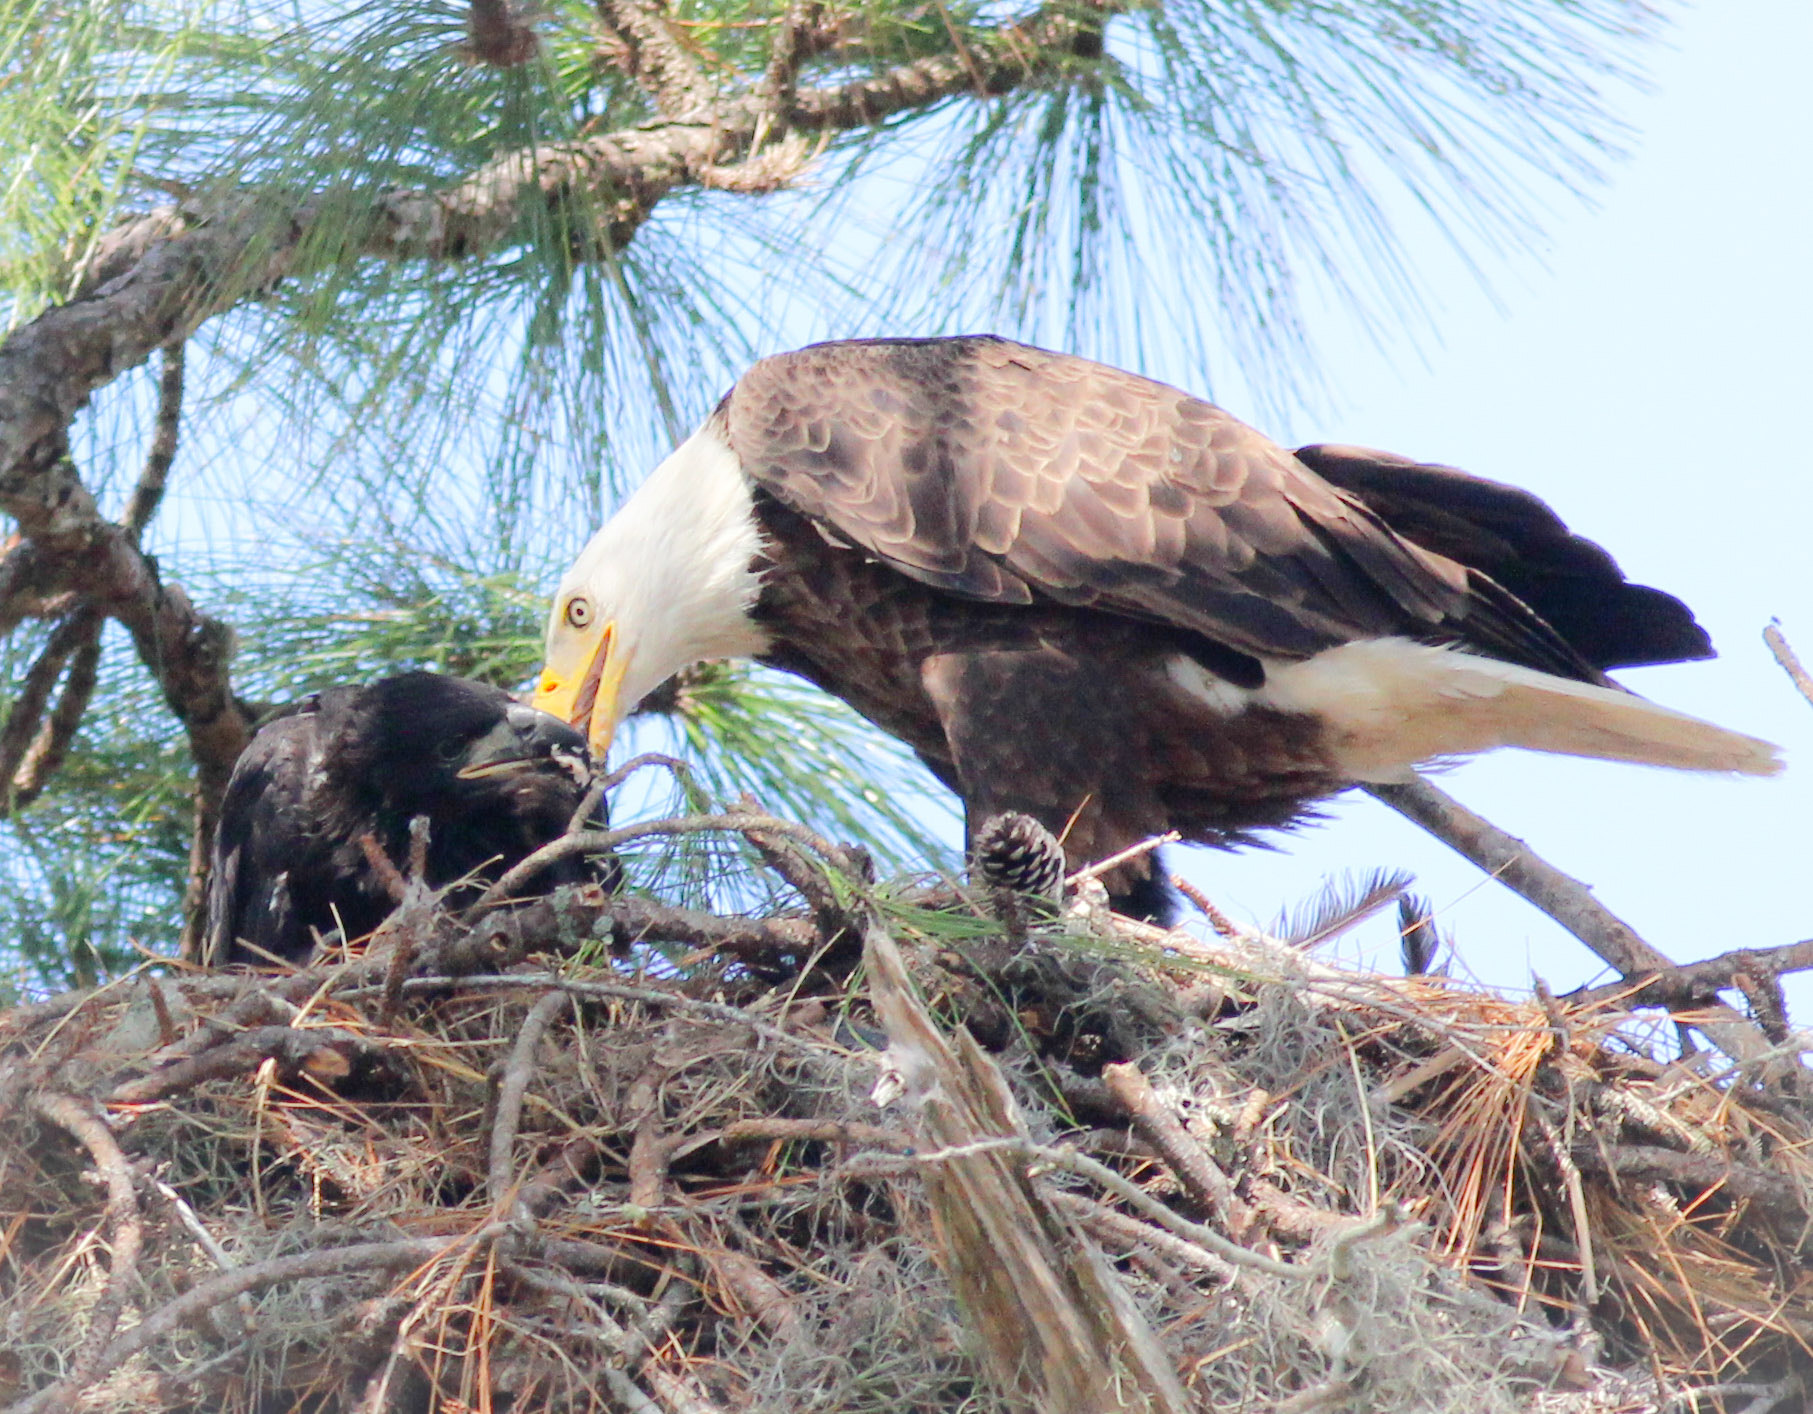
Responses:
[657,57]
[50,746]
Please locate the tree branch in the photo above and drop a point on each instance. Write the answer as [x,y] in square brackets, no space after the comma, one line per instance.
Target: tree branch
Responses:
[51,744]
[1563,897]
[657,57]
[514,1086]
[22,721]
[148,494]
[122,1219]
[1695,982]
[1789,659]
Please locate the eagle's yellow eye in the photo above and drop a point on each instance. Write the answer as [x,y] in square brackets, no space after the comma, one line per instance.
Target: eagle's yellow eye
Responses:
[579,611]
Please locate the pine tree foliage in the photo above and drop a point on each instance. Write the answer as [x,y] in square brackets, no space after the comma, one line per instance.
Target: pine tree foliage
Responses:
[429,267]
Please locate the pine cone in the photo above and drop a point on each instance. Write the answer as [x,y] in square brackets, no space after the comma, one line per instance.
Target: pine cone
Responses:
[1015,854]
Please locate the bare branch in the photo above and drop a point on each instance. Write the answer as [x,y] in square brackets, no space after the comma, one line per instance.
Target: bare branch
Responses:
[1563,897]
[1200,1175]
[1703,1171]
[1695,982]
[514,1086]
[51,745]
[296,1049]
[1789,660]
[149,493]
[578,913]
[122,1219]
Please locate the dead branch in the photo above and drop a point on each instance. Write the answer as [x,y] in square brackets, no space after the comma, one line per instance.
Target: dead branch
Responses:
[612,991]
[1200,1175]
[1056,1327]
[777,1129]
[204,1296]
[572,917]
[1695,982]
[1789,660]
[609,781]
[1564,898]
[585,842]
[122,1220]
[1114,1228]
[806,877]
[1699,1171]
[511,1091]
[322,1048]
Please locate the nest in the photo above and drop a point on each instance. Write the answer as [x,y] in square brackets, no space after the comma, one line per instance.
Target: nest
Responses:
[882,1152]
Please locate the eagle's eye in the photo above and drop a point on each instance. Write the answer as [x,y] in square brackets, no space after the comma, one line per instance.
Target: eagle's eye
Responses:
[579,611]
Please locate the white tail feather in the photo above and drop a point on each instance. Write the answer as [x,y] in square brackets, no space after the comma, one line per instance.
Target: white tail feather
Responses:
[1390,703]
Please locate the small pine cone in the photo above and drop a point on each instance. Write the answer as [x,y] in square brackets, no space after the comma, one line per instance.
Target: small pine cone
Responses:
[1015,854]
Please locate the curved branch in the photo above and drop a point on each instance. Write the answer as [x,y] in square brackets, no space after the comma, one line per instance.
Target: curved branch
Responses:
[23,720]
[51,745]
[123,1221]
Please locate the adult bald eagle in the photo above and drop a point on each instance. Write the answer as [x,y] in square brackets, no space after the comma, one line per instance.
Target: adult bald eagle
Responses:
[494,778]
[1087,596]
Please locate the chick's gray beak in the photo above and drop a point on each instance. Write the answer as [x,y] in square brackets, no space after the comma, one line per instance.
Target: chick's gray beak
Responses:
[526,739]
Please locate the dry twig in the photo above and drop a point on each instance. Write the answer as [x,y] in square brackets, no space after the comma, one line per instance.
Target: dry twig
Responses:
[514,1086]
[1789,660]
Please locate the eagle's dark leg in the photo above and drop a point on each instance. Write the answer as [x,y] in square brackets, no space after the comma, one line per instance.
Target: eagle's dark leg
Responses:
[1063,740]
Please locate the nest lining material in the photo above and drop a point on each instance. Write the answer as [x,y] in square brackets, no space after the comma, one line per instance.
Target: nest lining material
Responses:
[864,1159]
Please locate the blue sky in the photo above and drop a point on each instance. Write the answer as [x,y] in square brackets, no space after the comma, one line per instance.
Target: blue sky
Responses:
[1647,372]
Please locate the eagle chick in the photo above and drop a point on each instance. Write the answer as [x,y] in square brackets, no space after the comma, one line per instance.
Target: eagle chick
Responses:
[494,780]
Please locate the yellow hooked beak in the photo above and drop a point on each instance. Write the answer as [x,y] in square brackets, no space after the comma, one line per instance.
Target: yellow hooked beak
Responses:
[582,684]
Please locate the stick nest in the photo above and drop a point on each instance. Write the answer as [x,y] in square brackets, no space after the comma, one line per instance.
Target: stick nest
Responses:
[881,1152]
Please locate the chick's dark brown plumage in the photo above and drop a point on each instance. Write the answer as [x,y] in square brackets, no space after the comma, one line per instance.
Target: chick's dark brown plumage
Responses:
[494,780]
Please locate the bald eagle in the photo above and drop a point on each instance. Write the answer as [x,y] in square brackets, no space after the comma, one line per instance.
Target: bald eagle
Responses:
[494,778]
[1089,597]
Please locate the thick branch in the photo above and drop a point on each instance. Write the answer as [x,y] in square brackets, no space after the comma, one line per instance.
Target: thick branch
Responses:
[578,913]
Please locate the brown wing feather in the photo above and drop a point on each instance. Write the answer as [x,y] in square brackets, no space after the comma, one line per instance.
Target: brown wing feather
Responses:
[1009,474]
